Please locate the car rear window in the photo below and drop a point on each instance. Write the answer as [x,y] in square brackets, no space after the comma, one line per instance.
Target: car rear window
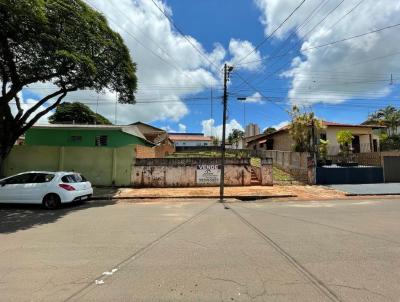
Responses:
[73,178]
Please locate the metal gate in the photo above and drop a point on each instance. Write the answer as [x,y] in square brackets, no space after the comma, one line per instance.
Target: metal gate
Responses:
[391,166]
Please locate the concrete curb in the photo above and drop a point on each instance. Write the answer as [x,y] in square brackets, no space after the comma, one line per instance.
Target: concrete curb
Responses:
[372,194]
[243,198]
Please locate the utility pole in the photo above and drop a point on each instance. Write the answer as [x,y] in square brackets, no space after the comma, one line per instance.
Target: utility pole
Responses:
[227,71]
[211,103]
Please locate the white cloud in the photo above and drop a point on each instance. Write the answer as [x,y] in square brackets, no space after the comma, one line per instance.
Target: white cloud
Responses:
[161,86]
[279,125]
[344,70]
[182,128]
[26,104]
[255,98]
[240,51]
[209,127]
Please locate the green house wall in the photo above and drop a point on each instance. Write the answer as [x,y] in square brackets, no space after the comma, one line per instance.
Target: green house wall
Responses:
[62,137]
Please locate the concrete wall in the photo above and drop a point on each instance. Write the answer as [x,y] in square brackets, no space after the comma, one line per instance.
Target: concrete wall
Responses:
[175,172]
[100,165]
[294,163]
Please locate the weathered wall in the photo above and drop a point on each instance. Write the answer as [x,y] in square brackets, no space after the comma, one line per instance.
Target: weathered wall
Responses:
[283,141]
[173,172]
[100,165]
[294,163]
[145,152]
[154,152]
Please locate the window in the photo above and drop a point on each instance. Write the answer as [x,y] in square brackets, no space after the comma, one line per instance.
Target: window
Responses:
[101,140]
[20,179]
[42,178]
[76,138]
[73,178]
[323,136]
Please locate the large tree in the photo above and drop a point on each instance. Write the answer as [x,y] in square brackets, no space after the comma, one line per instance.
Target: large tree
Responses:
[62,42]
[302,126]
[388,116]
[235,136]
[77,113]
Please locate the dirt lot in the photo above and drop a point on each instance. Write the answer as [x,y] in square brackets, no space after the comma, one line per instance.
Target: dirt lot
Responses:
[300,192]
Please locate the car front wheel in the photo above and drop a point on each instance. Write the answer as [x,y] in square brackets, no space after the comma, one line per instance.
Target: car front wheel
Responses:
[51,201]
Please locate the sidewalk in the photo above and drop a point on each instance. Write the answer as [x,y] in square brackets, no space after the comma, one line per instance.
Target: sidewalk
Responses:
[257,192]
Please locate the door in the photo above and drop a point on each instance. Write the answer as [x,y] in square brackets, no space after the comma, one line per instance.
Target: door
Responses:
[14,190]
[391,166]
[38,186]
[356,144]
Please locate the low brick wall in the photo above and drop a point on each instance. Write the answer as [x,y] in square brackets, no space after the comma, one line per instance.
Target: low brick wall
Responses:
[182,172]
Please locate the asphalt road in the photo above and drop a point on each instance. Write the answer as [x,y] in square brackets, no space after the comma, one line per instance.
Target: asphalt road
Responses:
[200,251]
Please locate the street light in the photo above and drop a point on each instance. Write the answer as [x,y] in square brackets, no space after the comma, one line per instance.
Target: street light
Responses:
[243,99]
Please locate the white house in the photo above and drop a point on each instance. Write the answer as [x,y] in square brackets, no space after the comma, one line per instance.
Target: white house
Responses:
[190,140]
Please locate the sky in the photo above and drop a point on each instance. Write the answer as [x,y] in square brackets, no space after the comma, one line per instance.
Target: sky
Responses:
[316,54]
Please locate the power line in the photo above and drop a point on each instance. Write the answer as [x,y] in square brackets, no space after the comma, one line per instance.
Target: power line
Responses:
[183,35]
[144,46]
[269,36]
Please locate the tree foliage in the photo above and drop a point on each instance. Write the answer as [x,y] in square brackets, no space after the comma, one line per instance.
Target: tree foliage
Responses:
[235,137]
[344,138]
[388,116]
[77,113]
[62,42]
[301,129]
[269,130]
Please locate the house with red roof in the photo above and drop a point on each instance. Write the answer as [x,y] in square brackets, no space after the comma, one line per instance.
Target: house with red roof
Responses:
[366,138]
[184,141]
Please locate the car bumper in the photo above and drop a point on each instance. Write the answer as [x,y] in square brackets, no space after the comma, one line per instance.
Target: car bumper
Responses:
[78,195]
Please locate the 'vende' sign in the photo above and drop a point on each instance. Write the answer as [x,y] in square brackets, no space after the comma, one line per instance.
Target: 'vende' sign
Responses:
[208,174]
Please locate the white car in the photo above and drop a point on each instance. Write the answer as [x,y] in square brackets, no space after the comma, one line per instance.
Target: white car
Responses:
[47,188]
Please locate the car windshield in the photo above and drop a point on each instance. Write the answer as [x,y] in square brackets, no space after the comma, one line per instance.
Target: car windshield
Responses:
[73,178]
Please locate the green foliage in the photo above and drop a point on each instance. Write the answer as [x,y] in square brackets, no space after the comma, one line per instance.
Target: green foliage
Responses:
[323,148]
[388,143]
[388,116]
[77,113]
[301,128]
[269,130]
[63,42]
[344,137]
[235,136]
[215,140]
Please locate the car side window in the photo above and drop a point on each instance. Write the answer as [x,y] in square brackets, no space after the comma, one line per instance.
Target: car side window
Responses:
[20,179]
[42,178]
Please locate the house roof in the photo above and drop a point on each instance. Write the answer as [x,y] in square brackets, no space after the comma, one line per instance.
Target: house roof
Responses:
[149,126]
[130,129]
[189,137]
[324,123]
[333,124]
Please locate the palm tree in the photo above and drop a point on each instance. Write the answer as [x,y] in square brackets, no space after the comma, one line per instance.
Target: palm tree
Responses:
[389,117]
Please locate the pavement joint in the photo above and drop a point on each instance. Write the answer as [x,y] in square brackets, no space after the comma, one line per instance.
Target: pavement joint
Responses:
[318,284]
[100,279]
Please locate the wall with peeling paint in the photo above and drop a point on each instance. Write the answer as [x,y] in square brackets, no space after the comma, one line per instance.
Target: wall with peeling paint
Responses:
[173,172]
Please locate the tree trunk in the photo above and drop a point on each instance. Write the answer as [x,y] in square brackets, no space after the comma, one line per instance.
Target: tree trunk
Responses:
[8,134]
